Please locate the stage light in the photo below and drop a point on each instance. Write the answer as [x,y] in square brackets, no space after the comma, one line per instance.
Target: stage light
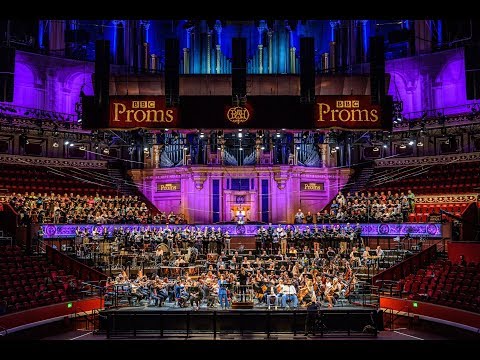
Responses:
[262,148]
[241,149]
[240,130]
[202,134]
[240,134]
[298,147]
[82,147]
[403,146]
[419,143]
[278,134]
[337,148]
[66,142]
[376,149]
[411,142]
[385,146]
[185,148]
[166,130]
[55,144]
[106,151]
[72,144]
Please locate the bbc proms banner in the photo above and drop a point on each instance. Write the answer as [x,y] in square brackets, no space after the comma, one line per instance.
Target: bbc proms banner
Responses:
[142,111]
[348,112]
[258,112]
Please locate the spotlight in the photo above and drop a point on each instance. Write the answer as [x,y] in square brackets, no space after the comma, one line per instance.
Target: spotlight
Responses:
[385,146]
[278,134]
[79,120]
[202,135]
[66,142]
[403,146]
[376,149]
[337,148]
[241,149]
[410,142]
[240,135]
[419,143]
[185,148]
[240,130]
[82,147]
[262,148]
[72,144]
[55,144]
[106,151]
[298,147]
[166,129]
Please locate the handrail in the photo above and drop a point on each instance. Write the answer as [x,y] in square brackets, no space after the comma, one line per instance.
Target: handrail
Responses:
[4,331]
[85,315]
[392,319]
[80,269]
[407,266]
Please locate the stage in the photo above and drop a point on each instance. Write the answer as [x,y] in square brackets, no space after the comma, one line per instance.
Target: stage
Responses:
[148,321]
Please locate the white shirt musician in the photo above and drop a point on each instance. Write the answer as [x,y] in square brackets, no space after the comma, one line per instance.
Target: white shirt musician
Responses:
[289,294]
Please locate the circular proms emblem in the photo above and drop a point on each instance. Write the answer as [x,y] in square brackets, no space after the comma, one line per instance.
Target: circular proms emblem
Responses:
[50,230]
[383,229]
[240,229]
[431,229]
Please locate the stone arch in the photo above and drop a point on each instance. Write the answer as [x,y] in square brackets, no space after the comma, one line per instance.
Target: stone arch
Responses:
[449,86]
[25,91]
[398,89]
[72,85]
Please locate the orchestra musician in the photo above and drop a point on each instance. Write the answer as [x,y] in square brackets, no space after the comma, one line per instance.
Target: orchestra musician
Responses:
[290,295]
[222,292]
[332,292]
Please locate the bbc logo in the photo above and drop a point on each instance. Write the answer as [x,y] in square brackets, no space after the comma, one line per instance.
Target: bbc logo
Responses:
[143,104]
[348,104]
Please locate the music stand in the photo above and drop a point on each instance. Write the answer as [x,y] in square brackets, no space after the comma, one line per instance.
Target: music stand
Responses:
[398,240]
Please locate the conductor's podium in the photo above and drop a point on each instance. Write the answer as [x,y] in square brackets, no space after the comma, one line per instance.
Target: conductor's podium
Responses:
[242,297]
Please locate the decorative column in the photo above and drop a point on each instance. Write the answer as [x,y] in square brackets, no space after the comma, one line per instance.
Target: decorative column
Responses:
[362,40]
[56,37]
[209,47]
[261,28]
[333,45]
[119,41]
[292,60]
[218,29]
[186,60]
[144,45]
[145,26]
[270,51]
[258,149]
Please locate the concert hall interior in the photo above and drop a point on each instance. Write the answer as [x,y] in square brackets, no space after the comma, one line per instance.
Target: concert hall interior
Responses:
[227,179]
